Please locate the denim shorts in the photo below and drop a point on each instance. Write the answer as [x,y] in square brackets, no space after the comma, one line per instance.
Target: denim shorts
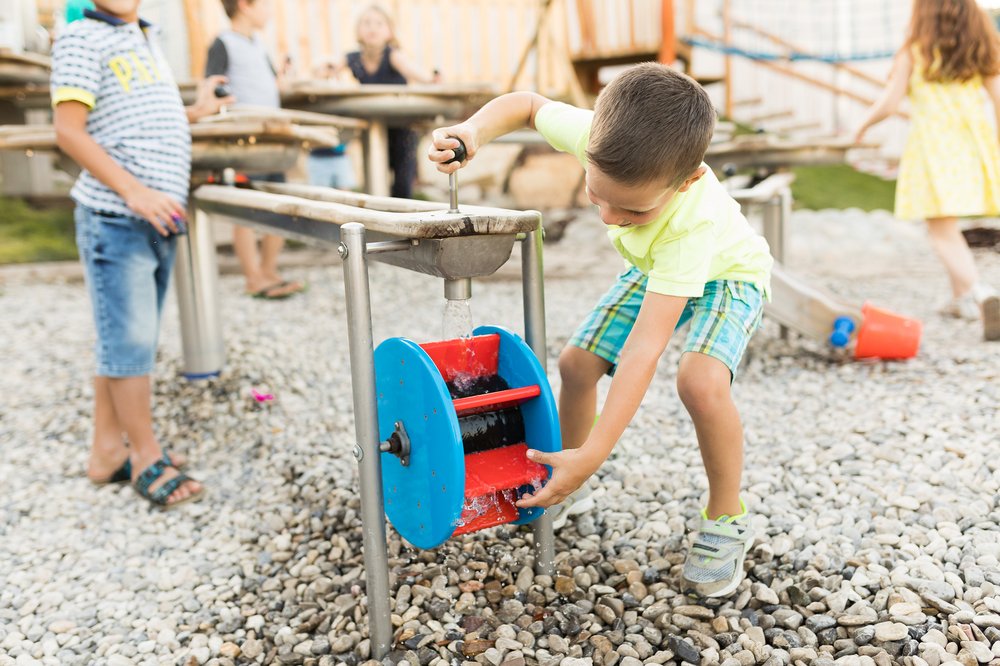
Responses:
[127,267]
[722,319]
[332,171]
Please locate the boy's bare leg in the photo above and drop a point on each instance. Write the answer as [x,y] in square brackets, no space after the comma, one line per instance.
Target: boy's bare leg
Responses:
[580,371]
[703,383]
[107,451]
[245,247]
[951,248]
[270,248]
[131,397]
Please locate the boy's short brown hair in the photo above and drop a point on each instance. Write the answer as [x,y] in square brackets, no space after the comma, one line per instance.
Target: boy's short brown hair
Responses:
[651,123]
[232,6]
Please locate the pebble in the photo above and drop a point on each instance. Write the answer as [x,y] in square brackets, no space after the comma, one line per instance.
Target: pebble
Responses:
[280,579]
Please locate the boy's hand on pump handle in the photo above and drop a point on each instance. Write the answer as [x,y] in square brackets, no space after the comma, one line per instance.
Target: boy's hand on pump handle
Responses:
[570,468]
[444,142]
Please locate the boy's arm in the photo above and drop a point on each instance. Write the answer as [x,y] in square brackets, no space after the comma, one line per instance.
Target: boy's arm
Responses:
[161,210]
[501,115]
[645,344]
[895,91]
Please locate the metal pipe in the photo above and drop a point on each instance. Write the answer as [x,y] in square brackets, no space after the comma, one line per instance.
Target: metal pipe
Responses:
[453,193]
[196,284]
[459,289]
[533,294]
[366,448]
[774,231]
[389,246]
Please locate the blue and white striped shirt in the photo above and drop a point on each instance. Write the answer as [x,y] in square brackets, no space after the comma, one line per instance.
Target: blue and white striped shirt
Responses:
[119,71]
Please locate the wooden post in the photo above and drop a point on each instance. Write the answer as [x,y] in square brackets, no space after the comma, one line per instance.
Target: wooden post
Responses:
[668,33]
[727,27]
[196,39]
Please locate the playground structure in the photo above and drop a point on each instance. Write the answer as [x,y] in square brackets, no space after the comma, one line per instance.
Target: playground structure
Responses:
[384,106]
[409,430]
[866,331]
[257,140]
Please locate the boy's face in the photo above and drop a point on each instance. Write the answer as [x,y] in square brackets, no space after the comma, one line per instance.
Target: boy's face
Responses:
[127,10]
[631,205]
[258,12]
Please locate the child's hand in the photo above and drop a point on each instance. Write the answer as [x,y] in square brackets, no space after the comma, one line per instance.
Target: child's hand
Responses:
[159,209]
[443,146]
[859,134]
[570,468]
[206,103]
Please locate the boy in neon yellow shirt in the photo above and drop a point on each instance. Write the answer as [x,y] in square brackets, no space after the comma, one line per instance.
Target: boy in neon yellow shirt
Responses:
[691,256]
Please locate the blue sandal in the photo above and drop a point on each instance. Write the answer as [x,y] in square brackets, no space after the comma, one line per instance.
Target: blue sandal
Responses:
[124,473]
[161,495]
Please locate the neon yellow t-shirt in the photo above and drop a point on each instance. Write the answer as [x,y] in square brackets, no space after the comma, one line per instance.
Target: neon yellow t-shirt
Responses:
[701,235]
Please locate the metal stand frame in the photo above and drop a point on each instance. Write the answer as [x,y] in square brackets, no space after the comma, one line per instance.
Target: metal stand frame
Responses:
[360,232]
[354,251]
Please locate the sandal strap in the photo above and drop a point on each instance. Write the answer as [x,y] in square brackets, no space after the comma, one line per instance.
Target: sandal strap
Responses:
[163,493]
[150,475]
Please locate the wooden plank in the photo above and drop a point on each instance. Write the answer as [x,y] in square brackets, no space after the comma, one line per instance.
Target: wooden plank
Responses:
[280,30]
[197,46]
[325,42]
[668,31]
[307,11]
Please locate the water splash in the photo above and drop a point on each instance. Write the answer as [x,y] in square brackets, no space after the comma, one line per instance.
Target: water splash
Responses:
[457,320]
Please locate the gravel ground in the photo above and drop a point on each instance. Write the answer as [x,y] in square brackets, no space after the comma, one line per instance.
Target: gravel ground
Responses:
[874,488]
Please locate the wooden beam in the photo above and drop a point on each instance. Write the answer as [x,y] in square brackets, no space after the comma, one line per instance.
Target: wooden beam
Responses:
[795,74]
[532,43]
[861,74]
[668,34]
[196,39]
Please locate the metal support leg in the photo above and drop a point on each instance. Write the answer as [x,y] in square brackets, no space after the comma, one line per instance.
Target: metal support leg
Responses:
[534,334]
[775,214]
[197,277]
[366,449]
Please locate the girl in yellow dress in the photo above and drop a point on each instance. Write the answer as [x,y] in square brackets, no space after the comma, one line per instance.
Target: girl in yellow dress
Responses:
[950,167]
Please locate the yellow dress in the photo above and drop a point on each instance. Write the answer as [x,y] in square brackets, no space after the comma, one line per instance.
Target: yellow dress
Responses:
[950,166]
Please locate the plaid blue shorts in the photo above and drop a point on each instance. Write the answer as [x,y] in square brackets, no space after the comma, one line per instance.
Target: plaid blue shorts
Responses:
[722,319]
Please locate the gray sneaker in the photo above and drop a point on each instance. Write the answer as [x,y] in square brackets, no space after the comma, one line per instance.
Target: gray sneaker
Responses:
[714,565]
[579,501]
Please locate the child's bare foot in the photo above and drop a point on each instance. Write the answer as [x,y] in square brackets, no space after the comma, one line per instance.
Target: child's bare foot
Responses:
[159,481]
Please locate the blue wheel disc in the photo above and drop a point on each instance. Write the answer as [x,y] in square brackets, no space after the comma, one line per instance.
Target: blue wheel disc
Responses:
[423,501]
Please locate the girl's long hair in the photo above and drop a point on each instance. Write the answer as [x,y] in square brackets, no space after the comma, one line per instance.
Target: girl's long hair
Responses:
[955,38]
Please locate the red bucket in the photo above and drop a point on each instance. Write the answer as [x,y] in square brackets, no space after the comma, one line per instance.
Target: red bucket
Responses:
[887,335]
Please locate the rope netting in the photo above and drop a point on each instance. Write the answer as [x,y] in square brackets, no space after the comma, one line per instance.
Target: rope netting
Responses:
[830,31]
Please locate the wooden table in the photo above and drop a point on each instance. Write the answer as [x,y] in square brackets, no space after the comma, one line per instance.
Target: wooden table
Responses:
[772,152]
[248,140]
[385,106]
[24,68]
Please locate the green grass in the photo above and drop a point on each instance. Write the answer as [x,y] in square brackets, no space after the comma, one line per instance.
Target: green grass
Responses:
[840,186]
[31,234]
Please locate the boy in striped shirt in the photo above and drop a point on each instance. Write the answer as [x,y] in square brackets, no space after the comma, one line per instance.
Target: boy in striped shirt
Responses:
[119,115]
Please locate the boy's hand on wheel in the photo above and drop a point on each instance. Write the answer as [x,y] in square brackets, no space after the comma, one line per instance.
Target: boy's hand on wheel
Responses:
[444,140]
[570,468]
